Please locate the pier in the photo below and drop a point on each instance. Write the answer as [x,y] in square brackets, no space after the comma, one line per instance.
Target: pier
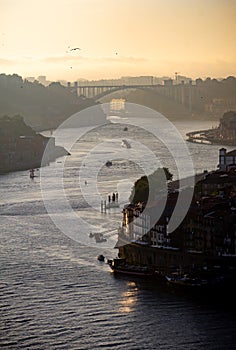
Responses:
[110,203]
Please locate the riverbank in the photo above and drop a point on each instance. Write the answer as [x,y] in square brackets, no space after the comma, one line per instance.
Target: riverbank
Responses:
[34,162]
[223,134]
[21,148]
[209,137]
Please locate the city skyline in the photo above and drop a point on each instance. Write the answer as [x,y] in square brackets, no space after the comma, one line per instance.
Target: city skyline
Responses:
[95,39]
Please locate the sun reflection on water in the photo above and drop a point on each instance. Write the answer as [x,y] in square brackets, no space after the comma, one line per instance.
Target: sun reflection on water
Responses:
[129,298]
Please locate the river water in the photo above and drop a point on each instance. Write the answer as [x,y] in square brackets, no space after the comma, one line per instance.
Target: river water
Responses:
[55,294]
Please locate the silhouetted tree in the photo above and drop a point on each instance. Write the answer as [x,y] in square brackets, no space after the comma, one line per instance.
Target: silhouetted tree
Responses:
[156,182]
[42,107]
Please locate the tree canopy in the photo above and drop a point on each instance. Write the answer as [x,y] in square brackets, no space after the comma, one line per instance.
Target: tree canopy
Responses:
[43,107]
[156,182]
[14,126]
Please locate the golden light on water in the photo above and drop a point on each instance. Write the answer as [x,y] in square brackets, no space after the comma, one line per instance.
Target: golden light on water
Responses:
[132,284]
[129,298]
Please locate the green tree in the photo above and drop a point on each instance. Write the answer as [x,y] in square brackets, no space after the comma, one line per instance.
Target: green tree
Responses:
[156,182]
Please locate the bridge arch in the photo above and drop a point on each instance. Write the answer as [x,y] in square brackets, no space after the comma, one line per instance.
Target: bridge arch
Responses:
[98,91]
[182,98]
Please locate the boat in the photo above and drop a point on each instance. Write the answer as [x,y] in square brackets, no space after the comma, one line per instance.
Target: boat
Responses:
[126,144]
[185,280]
[101,257]
[109,163]
[119,266]
[32,175]
[99,237]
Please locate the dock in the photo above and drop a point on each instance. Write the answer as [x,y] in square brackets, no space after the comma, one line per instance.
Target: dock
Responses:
[110,203]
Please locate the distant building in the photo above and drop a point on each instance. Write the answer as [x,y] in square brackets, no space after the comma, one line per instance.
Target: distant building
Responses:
[30,79]
[218,183]
[167,82]
[42,79]
[207,233]
[227,160]
[73,88]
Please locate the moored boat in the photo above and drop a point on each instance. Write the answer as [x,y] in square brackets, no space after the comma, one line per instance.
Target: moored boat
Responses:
[119,266]
[185,281]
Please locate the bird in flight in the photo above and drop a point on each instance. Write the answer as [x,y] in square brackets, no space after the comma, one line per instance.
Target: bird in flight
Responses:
[72,49]
[75,48]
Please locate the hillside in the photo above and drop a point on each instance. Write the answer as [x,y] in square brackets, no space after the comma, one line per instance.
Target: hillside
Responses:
[151,99]
[210,99]
[42,107]
[224,134]
[22,148]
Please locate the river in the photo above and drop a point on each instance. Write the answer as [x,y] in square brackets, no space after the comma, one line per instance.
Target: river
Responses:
[55,294]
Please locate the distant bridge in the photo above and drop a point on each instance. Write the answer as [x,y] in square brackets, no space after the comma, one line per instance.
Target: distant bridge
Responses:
[98,91]
[183,94]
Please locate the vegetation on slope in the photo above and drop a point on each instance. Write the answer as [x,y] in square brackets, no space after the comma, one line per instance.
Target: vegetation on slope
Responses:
[156,182]
[42,107]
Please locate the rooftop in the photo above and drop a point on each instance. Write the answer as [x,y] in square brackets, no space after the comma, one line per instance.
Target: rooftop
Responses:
[231,153]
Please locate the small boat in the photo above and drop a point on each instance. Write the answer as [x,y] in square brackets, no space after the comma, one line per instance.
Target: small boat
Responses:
[32,175]
[101,257]
[119,266]
[126,144]
[109,163]
[99,238]
[185,280]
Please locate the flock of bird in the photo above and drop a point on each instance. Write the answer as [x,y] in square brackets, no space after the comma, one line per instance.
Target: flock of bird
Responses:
[78,48]
[72,49]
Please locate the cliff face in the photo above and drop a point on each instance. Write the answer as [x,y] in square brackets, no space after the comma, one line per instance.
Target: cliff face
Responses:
[226,132]
[227,128]
[22,148]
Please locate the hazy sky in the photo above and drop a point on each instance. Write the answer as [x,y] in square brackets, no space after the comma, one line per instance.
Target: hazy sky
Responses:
[117,38]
